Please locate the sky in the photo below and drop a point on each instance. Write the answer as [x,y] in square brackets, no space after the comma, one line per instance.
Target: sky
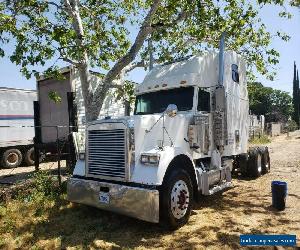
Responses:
[289,52]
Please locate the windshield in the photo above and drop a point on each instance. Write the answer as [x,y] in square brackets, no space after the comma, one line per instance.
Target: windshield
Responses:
[157,102]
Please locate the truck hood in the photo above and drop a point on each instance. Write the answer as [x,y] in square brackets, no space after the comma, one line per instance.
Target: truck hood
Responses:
[176,127]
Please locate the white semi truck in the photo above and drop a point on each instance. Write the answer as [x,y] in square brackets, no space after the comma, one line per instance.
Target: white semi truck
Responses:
[189,132]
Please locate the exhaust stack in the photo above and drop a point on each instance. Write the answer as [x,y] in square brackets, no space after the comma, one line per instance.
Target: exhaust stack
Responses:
[221,59]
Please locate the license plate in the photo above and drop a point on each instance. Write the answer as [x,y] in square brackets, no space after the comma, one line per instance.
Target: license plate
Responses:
[104,197]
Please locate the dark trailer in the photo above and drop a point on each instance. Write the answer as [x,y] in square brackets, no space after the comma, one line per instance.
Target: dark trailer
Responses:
[61,125]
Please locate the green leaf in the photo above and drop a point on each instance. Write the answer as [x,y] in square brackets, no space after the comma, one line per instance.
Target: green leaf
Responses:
[54,96]
[45,35]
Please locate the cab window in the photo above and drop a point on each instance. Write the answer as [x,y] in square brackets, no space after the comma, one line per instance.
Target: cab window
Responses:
[157,102]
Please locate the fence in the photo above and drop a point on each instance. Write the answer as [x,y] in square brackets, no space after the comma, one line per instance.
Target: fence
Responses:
[18,139]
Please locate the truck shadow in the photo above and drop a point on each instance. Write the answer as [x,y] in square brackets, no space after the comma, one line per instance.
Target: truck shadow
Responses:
[79,225]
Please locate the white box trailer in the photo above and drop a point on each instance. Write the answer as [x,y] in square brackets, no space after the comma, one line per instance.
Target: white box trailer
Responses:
[16,131]
[188,133]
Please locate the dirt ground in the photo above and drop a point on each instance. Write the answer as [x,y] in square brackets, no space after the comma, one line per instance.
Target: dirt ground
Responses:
[22,173]
[216,222]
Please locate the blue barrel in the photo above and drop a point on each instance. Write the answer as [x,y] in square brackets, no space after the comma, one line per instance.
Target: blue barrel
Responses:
[279,193]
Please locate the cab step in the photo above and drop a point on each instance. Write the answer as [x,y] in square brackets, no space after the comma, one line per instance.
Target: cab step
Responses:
[210,182]
[218,188]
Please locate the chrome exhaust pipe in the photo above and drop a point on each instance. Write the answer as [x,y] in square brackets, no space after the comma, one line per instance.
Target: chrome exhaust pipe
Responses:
[221,59]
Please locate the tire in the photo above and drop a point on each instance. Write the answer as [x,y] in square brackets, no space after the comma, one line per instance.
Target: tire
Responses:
[11,158]
[265,160]
[243,164]
[176,199]
[29,157]
[254,163]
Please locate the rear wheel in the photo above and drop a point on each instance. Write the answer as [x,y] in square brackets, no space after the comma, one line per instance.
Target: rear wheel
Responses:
[242,161]
[254,163]
[11,158]
[29,157]
[265,160]
[176,198]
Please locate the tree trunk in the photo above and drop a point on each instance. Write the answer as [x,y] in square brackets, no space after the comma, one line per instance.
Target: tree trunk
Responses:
[93,103]
[93,100]
[91,108]
[87,92]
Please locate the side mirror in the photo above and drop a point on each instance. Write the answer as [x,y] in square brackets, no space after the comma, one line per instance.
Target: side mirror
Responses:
[171,110]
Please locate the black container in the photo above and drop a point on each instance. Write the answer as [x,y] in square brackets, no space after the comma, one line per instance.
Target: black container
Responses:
[279,193]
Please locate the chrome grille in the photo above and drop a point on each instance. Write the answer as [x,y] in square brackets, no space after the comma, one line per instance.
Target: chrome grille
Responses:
[107,153]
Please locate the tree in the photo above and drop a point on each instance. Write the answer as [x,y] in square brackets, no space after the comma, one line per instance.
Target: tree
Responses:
[295,3]
[96,34]
[296,95]
[275,105]
[260,102]
[282,105]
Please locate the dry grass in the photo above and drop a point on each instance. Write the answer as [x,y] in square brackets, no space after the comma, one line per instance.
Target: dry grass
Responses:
[264,139]
[216,222]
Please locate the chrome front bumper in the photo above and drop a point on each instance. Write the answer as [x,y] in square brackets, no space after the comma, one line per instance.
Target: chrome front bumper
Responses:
[136,202]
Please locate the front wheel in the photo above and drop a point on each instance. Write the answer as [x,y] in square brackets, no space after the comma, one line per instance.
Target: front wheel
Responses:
[176,198]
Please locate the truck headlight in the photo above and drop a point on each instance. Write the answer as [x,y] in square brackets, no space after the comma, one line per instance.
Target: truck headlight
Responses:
[150,159]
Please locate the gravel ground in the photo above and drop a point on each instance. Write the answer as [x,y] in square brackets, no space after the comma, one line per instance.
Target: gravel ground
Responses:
[218,220]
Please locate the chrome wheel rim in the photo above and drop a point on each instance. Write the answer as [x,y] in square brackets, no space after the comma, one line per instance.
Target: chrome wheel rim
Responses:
[180,199]
[259,163]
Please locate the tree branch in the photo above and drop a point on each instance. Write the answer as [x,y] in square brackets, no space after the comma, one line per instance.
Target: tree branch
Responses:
[124,65]
[69,60]
[132,66]
[72,7]
[69,7]
[117,71]
[85,7]
[181,17]
[63,57]
[115,86]
[145,30]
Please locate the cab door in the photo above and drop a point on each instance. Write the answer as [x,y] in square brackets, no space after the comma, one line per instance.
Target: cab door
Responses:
[203,121]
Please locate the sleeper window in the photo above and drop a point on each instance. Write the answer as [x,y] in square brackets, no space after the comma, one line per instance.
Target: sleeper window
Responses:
[235,73]
[203,101]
